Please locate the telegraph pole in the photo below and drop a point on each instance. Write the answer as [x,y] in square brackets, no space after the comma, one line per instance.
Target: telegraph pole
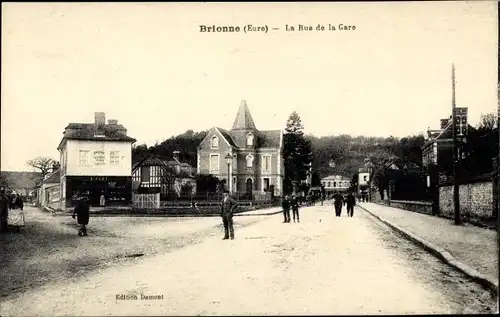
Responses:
[456,192]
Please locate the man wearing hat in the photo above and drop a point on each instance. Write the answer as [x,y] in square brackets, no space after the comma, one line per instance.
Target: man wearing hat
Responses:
[285,204]
[228,205]
[81,212]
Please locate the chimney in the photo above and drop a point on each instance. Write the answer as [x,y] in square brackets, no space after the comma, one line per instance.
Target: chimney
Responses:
[100,120]
[112,122]
[444,122]
[176,155]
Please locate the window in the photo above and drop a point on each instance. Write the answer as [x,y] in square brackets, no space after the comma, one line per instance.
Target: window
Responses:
[249,160]
[334,184]
[215,142]
[114,157]
[365,178]
[99,157]
[249,139]
[83,156]
[145,174]
[266,184]
[266,163]
[329,184]
[214,164]
[234,183]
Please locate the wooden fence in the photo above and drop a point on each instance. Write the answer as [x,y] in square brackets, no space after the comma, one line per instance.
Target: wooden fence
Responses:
[146,201]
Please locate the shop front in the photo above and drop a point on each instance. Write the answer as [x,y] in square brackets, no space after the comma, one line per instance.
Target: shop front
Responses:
[116,190]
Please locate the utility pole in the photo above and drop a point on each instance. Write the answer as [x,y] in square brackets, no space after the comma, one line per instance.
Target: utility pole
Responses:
[456,192]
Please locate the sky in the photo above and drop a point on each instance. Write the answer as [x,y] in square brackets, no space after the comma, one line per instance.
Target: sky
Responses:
[149,67]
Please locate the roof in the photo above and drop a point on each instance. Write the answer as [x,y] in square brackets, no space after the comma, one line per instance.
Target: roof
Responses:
[157,160]
[54,177]
[336,177]
[243,120]
[227,136]
[363,170]
[86,131]
[73,125]
[18,180]
[443,134]
[269,138]
[244,124]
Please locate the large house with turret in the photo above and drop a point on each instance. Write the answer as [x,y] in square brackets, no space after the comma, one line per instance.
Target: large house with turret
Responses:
[255,157]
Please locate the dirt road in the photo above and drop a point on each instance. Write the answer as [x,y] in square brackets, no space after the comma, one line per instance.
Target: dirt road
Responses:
[322,265]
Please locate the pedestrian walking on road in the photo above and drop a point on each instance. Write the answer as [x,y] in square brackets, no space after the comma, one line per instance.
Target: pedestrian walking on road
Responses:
[4,210]
[351,202]
[228,205]
[295,209]
[338,202]
[81,212]
[286,208]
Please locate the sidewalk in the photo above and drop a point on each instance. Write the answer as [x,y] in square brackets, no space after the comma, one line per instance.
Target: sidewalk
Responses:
[261,212]
[472,250]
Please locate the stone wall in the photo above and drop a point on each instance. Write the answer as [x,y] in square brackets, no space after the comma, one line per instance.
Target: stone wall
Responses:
[422,207]
[476,200]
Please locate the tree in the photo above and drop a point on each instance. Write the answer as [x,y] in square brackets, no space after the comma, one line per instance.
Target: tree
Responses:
[206,183]
[488,121]
[296,152]
[315,179]
[44,164]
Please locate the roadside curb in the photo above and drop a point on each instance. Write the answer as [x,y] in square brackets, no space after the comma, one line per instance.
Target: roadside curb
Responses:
[442,254]
[260,214]
[194,215]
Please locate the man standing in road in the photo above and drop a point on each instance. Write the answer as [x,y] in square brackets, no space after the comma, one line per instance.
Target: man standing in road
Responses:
[351,202]
[338,202]
[227,207]
[285,204]
[82,214]
[4,210]
[295,209]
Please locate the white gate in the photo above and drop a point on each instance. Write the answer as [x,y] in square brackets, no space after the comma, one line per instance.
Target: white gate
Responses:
[146,201]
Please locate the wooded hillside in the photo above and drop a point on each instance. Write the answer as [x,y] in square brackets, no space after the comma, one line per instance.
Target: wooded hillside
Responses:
[347,152]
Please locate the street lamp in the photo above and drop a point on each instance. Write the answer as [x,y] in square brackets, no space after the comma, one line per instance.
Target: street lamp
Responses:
[229,159]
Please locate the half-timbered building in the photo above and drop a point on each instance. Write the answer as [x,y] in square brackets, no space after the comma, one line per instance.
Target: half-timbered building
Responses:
[156,174]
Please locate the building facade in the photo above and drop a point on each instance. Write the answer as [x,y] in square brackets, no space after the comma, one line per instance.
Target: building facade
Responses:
[165,176]
[438,147]
[96,160]
[336,183]
[49,193]
[256,164]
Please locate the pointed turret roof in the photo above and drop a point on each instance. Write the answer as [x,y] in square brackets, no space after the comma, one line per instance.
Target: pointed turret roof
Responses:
[243,120]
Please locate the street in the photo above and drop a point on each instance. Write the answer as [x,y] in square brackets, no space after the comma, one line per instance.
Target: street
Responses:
[322,265]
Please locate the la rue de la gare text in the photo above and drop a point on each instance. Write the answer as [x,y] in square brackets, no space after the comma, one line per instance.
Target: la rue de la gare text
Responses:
[264,28]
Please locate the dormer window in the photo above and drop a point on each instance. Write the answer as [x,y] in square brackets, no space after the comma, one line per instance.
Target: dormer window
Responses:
[215,142]
[249,139]
[249,160]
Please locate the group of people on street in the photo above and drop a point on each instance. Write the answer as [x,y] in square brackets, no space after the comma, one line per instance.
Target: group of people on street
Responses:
[315,197]
[13,201]
[349,201]
[227,208]
[290,203]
